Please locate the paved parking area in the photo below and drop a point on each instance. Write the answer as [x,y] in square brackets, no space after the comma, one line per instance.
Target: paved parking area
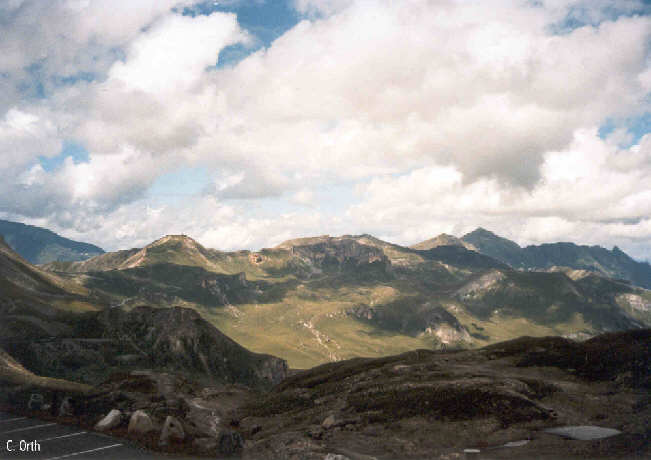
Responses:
[27,438]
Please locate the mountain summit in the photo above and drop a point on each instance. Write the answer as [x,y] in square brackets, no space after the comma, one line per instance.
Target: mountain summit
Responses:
[443,240]
[613,264]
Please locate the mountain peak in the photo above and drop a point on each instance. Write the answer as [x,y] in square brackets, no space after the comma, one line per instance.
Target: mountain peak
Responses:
[304,241]
[442,240]
[481,231]
[185,240]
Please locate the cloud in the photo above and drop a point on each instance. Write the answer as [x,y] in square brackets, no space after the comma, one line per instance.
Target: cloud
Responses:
[591,192]
[24,136]
[315,8]
[172,55]
[248,185]
[445,115]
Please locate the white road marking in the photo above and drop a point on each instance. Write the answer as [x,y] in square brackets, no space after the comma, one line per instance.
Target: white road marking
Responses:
[28,428]
[13,419]
[64,436]
[84,452]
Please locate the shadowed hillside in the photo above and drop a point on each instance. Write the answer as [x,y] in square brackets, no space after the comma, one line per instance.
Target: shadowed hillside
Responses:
[40,246]
[613,264]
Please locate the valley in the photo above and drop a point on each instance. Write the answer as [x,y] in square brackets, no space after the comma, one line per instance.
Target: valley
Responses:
[320,299]
[345,346]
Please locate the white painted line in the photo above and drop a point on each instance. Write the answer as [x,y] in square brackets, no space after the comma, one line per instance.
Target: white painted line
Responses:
[13,419]
[28,428]
[64,436]
[84,452]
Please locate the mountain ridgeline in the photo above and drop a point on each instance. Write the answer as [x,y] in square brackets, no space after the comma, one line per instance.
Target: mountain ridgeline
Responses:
[39,245]
[175,329]
[318,299]
[613,264]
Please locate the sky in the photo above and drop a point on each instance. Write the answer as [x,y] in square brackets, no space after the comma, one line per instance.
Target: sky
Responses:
[243,123]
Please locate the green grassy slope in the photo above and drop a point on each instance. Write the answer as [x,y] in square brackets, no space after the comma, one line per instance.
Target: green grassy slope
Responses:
[320,299]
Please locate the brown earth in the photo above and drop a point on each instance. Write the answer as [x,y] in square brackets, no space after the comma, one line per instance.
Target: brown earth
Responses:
[420,404]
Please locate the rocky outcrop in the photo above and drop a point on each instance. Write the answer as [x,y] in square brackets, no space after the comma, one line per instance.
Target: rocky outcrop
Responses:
[112,419]
[173,339]
[338,253]
[413,317]
[172,431]
[507,398]
[180,339]
[140,423]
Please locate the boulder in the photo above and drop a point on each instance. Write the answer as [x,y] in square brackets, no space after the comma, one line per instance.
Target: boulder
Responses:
[140,423]
[335,457]
[203,423]
[35,401]
[229,442]
[112,419]
[66,409]
[329,422]
[205,445]
[172,431]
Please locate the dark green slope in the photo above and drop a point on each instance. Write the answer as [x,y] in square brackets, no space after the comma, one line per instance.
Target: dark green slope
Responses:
[612,263]
[39,245]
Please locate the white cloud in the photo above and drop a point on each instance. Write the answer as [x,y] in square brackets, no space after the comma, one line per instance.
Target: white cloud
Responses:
[446,114]
[304,197]
[582,197]
[24,136]
[321,7]
[173,54]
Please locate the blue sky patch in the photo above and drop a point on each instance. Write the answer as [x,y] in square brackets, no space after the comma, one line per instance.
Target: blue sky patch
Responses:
[266,20]
[177,185]
[70,149]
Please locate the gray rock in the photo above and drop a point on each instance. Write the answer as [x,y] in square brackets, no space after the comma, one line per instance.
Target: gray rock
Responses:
[516,443]
[205,445]
[172,431]
[229,442]
[112,419]
[329,421]
[335,457]
[203,423]
[140,423]
[35,401]
[583,432]
[66,408]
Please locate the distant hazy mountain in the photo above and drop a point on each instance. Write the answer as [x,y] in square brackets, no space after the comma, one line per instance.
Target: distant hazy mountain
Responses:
[39,245]
[611,263]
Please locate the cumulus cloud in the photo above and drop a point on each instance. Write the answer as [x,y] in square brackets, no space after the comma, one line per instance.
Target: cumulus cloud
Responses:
[24,136]
[590,192]
[445,114]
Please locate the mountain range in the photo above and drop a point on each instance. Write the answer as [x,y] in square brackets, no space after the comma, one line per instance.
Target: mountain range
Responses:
[39,245]
[611,263]
[208,337]
[318,299]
